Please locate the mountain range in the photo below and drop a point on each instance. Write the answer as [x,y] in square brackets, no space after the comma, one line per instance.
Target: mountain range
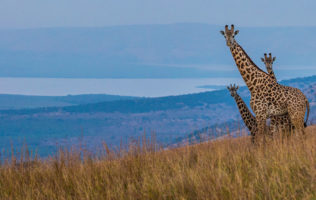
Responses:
[188,50]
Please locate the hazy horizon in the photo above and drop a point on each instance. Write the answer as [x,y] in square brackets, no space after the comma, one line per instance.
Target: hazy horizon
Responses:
[147,39]
[123,87]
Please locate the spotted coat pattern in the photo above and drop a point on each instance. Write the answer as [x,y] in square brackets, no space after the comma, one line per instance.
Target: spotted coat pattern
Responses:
[278,124]
[268,61]
[268,98]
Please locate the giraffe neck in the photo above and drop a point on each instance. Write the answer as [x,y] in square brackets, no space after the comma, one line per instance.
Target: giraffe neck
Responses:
[246,115]
[271,73]
[250,72]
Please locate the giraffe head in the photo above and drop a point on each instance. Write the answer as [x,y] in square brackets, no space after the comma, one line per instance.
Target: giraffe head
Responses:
[233,90]
[268,61]
[229,35]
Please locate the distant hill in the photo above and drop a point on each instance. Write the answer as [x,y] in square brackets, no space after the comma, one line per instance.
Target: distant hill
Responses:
[141,105]
[150,51]
[24,101]
[171,119]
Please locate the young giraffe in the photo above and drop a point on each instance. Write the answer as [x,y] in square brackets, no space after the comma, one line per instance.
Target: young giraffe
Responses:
[268,61]
[268,98]
[282,122]
[246,115]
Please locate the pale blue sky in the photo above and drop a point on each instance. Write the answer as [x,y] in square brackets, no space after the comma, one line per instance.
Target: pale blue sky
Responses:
[70,13]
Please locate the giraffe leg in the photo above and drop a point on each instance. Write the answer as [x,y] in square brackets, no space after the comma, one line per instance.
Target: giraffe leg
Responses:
[298,123]
[281,125]
[261,123]
[274,129]
[297,118]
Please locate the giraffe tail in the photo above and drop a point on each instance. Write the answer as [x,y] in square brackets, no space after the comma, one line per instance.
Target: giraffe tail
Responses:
[307,105]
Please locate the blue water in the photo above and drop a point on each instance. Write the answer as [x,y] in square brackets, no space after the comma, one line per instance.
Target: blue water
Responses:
[127,87]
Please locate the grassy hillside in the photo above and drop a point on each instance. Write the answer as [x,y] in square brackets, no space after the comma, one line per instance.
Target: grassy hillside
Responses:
[221,169]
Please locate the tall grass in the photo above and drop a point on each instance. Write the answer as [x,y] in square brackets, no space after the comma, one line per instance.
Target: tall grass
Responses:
[223,169]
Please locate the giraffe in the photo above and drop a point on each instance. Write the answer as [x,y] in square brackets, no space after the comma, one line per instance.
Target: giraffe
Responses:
[246,115]
[282,122]
[268,61]
[268,98]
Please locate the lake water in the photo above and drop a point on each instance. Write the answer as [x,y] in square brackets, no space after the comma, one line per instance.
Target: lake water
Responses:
[128,87]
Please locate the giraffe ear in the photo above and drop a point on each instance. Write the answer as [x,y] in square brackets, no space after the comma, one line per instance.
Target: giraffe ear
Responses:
[222,32]
[262,59]
[236,32]
[274,58]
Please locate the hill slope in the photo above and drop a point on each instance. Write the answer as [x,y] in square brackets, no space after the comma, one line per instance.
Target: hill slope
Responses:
[222,169]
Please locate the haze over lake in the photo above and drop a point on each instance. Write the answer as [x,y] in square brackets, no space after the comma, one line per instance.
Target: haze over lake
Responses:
[124,87]
[128,87]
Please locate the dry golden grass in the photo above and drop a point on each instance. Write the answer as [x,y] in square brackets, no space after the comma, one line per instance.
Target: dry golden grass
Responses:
[223,169]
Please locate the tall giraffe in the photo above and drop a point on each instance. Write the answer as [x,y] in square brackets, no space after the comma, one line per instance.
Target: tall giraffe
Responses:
[268,98]
[277,124]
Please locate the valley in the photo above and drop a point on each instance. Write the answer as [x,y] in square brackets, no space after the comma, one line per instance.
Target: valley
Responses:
[171,119]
